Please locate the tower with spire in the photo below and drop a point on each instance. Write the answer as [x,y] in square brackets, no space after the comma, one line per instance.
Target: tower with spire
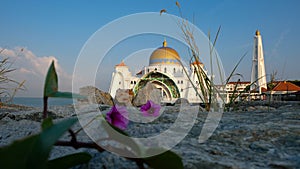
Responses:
[258,75]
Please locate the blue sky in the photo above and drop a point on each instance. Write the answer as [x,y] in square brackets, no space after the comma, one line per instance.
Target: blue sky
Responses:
[59,29]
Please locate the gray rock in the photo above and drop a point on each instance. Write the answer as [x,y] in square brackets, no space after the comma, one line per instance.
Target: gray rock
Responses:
[14,130]
[281,165]
[242,140]
[95,96]
[124,97]
[182,102]
[148,92]
[2,115]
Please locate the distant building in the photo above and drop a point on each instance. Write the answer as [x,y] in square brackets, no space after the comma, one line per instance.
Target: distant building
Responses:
[283,91]
[258,73]
[238,90]
[165,72]
[254,89]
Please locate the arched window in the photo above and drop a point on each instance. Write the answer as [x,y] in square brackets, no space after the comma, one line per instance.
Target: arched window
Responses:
[174,70]
[165,70]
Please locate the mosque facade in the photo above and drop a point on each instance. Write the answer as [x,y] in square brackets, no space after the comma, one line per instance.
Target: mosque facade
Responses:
[165,72]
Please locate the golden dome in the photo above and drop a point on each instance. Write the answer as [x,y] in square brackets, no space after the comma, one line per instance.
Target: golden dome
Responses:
[164,55]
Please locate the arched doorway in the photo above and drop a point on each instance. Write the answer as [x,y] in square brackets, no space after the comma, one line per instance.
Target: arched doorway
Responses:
[161,81]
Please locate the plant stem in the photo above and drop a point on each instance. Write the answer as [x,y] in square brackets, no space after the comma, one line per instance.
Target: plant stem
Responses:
[45,111]
[78,145]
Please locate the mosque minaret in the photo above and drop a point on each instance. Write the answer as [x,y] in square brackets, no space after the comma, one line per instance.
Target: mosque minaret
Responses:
[258,74]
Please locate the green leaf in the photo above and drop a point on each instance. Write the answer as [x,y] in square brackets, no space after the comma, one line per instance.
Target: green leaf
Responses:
[32,152]
[117,129]
[128,141]
[51,82]
[15,156]
[235,67]
[47,123]
[51,86]
[166,160]
[48,137]
[69,161]
[67,95]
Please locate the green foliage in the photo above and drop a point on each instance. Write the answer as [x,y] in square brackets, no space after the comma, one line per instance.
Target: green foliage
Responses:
[166,160]
[47,123]
[51,85]
[33,152]
[51,82]
[66,95]
[69,161]
[206,90]
[135,148]
[234,69]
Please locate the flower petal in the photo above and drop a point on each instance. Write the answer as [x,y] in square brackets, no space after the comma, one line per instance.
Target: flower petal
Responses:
[150,109]
[118,117]
[146,106]
[156,110]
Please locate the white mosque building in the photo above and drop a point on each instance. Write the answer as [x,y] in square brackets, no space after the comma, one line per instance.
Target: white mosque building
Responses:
[165,72]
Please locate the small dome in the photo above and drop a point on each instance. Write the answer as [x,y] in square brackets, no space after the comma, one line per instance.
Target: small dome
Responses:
[164,55]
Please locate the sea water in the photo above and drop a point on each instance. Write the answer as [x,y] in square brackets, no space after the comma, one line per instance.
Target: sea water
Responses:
[38,102]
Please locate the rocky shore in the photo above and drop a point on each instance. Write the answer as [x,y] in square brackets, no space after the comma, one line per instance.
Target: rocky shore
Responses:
[253,135]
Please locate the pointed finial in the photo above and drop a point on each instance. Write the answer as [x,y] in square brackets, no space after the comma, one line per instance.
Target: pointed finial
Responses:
[257,32]
[165,43]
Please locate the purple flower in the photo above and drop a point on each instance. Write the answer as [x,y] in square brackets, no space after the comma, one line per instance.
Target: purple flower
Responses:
[118,117]
[150,109]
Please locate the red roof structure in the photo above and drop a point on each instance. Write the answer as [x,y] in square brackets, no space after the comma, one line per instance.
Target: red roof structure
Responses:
[121,64]
[286,86]
[197,62]
[264,89]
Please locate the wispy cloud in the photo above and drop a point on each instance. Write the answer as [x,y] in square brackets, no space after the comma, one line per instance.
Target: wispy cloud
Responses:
[277,62]
[278,42]
[33,69]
